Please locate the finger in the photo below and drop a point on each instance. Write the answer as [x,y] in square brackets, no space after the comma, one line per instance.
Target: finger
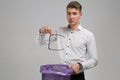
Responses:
[41,30]
[70,66]
[45,30]
[49,30]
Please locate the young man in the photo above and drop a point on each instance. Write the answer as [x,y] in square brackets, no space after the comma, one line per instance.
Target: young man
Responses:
[78,44]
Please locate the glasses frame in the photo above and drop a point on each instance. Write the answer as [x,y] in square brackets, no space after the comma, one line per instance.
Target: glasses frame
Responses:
[49,43]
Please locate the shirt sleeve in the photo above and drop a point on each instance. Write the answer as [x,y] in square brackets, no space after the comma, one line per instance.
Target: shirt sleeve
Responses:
[92,52]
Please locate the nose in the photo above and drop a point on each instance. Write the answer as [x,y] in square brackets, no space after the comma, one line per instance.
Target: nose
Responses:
[71,16]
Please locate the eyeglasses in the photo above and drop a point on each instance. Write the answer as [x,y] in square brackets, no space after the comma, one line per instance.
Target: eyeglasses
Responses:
[52,44]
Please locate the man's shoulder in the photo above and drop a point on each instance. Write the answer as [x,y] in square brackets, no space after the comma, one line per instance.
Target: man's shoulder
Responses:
[88,34]
[87,31]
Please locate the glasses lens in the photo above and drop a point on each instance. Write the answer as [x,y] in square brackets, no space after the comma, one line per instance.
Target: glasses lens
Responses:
[54,40]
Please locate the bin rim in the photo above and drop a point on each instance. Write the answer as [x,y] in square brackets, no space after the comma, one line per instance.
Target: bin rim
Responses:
[68,73]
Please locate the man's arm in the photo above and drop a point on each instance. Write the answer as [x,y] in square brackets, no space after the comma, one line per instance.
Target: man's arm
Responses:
[92,51]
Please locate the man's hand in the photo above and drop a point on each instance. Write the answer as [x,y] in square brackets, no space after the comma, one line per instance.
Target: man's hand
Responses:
[75,67]
[46,29]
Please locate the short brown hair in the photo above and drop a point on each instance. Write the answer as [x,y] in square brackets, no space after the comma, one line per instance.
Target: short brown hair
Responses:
[74,4]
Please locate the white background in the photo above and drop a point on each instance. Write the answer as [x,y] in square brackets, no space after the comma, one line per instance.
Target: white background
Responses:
[21,57]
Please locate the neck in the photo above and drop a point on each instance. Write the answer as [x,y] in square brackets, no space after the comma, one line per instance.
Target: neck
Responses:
[73,27]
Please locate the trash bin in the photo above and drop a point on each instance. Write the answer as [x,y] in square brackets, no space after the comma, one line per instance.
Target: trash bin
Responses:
[55,72]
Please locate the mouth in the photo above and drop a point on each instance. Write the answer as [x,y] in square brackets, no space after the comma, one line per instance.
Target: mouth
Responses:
[71,20]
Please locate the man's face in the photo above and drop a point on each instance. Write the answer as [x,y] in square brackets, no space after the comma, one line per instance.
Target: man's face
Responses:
[73,16]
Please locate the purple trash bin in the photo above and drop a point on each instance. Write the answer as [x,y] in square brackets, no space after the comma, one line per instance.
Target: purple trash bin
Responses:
[55,72]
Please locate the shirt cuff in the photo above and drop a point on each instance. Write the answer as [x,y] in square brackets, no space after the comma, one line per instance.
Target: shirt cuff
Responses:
[81,68]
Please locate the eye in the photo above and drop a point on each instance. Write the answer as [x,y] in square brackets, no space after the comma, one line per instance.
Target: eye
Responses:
[74,13]
[68,13]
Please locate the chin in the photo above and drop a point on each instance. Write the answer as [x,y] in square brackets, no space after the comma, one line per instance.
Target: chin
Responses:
[72,24]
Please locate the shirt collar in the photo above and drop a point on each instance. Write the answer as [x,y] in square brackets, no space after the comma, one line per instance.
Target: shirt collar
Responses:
[79,28]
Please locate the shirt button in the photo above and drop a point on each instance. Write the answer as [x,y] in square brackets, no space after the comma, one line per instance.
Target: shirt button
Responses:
[69,39]
[65,61]
[66,53]
[67,46]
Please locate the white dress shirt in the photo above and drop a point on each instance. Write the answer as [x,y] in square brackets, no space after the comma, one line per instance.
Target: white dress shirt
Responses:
[79,46]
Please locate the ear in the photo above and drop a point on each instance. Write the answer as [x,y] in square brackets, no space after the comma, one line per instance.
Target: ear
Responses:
[80,13]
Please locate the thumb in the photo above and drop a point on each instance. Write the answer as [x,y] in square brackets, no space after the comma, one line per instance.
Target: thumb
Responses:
[70,66]
[50,31]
